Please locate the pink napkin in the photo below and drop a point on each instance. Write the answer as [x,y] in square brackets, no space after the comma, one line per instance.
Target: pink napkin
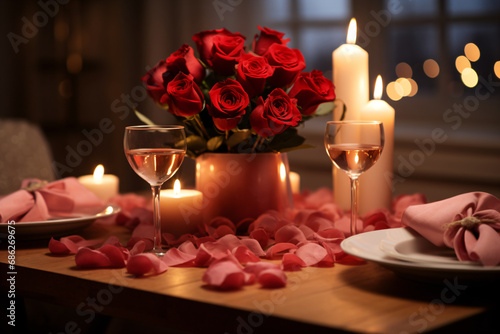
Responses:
[37,201]
[468,223]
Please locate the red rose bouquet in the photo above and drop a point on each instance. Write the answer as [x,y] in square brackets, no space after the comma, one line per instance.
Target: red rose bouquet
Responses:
[239,99]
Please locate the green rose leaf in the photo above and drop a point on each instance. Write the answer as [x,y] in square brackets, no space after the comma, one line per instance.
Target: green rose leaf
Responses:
[143,118]
[196,144]
[324,108]
[238,137]
[214,143]
[287,139]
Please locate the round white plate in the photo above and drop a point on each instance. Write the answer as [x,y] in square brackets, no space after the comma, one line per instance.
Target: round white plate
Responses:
[59,226]
[405,252]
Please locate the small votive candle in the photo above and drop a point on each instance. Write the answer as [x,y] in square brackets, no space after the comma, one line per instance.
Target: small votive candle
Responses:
[103,185]
[180,210]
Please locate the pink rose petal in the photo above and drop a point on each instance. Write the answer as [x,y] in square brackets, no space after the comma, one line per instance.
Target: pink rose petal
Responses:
[292,262]
[257,268]
[138,248]
[254,246]
[230,241]
[188,248]
[70,244]
[225,275]
[313,254]
[89,258]
[208,252]
[261,236]
[244,254]
[277,250]
[117,255]
[142,264]
[272,278]
[290,234]
[175,257]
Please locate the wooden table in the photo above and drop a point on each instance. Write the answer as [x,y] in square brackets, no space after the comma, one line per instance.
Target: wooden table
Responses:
[362,298]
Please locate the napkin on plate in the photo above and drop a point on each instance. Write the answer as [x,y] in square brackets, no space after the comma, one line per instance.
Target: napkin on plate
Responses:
[469,223]
[39,201]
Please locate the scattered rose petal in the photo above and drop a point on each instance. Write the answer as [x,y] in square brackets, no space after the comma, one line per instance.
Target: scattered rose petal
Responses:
[261,236]
[188,248]
[244,254]
[272,278]
[254,246]
[279,249]
[225,275]
[208,252]
[175,257]
[70,244]
[290,234]
[257,268]
[139,247]
[142,264]
[230,241]
[314,255]
[292,262]
[89,258]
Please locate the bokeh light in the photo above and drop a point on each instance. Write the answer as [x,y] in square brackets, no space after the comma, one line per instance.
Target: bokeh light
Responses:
[461,63]
[394,91]
[403,70]
[431,68]
[414,87]
[496,68]
[472,52]
[405,86]
[469,77]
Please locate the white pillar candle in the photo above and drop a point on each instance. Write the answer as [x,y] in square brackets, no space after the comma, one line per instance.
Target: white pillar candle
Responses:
[375,185]
[350,77]
[103,185]
[180,210]
[295,182]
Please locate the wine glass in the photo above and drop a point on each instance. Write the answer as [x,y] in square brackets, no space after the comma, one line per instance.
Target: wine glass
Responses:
[155,153]
[354,146]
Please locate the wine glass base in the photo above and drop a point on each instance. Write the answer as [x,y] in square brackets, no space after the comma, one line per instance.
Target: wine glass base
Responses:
[159,252]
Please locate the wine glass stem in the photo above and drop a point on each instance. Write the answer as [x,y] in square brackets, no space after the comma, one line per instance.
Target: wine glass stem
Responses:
[354,205]
[157,221]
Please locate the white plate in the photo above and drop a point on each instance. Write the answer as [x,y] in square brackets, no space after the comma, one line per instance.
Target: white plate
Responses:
[59,226]
[405,244]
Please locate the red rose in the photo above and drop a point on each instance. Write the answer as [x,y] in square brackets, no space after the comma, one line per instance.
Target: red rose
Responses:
[267,37]
[252,72]
[287,63]
[274,115]
[220,49]
[183,60]
[153,80]
[183,96]
[312,89]
[229,101]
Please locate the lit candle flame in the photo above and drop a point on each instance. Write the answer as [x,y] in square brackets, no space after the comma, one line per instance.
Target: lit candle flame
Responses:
[177,187]
[282,172]
[356,158]
[351,32]
[377,92]
[98,173]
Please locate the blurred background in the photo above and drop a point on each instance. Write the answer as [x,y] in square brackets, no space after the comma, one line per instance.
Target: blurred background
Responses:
[72,68]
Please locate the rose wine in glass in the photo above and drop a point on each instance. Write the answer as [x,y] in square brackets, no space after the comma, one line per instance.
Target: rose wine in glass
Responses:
[354,147]
[155,153]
